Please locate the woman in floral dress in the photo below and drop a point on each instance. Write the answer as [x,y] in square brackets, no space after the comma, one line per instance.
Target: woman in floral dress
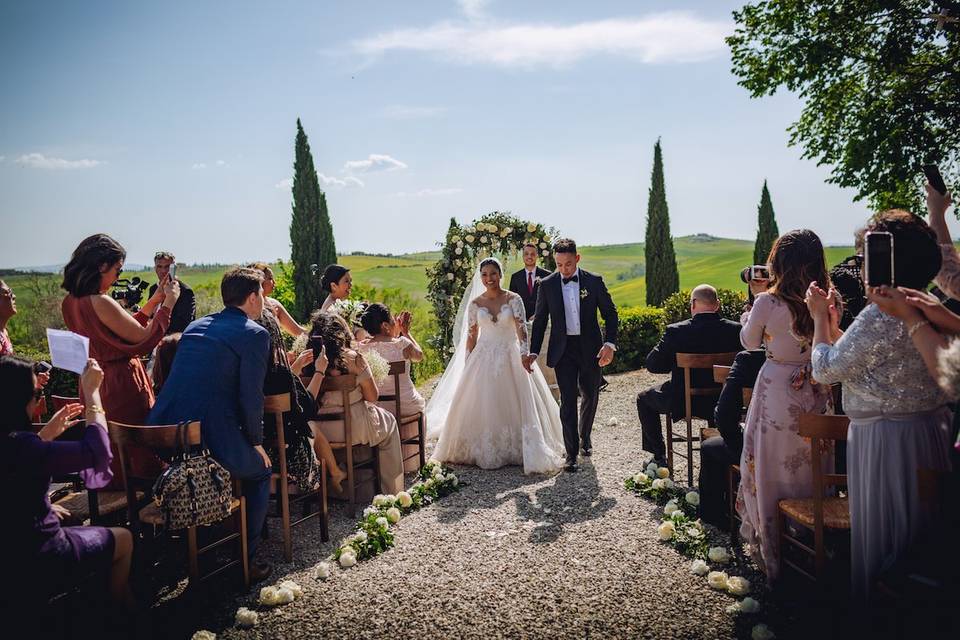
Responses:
[775,463]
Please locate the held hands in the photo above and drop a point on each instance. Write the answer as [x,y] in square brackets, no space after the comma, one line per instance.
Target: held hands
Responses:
[91,378]
[61,421]
[299,362]
[934,311]
[527,361]
[605,356]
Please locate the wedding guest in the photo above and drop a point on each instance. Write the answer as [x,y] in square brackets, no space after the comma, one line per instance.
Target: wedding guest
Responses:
[185,310]
[775,460]
[8,309]
[285,320]
[117,339]
[847,279]
[719,452]
[217,378]
[705,332]
[337,282]
[948,279]
[41,557]
[371,424]
[163,360]
[526,281]
[898,419]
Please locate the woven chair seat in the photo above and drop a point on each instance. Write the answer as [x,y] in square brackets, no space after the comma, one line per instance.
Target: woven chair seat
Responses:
[78,504]
[836,511]
[151,514]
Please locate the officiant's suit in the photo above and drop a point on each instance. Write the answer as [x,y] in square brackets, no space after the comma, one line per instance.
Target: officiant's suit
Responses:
[526,284]
[571,305]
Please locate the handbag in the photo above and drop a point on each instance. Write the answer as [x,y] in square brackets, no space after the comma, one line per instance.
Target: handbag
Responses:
[195,490]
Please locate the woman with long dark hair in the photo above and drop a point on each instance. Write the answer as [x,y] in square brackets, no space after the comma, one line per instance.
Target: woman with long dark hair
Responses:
[41,557]
[117,339]
[775,462]
[331,337]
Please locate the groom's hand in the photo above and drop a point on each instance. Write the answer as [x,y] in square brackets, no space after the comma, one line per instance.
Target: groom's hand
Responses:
[606,355]
[527,361]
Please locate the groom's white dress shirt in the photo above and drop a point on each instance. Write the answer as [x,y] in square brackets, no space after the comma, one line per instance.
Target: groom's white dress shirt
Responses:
[571,304]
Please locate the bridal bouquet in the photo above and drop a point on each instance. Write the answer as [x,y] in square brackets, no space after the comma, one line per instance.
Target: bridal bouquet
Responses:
[349,310]
[379,367]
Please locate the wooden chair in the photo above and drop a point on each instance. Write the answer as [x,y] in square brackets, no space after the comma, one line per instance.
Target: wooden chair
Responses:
[398,368]
[720,375]
[818,513]
[276,406]
[343,385]
[164,439]
[687,362]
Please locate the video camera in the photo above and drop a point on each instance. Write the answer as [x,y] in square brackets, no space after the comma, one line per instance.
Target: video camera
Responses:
[129,292]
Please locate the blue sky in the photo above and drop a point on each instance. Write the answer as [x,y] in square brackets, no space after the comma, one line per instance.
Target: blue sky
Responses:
[171,124]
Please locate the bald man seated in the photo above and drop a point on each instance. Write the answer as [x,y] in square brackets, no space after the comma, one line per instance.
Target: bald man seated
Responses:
[705,332]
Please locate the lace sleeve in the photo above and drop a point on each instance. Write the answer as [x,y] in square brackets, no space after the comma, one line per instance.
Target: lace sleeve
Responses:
[519,314]
[848,358]
[472,315]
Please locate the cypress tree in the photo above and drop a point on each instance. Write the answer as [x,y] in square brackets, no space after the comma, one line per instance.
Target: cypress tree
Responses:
[767,231]
[662,276]
[311,234]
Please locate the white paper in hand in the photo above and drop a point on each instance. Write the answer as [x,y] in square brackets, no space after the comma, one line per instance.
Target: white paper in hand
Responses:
[68,350]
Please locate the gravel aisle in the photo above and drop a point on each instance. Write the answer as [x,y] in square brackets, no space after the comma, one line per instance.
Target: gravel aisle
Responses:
[568,556]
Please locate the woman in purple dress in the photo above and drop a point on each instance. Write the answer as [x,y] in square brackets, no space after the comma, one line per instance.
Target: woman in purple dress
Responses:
[45,557]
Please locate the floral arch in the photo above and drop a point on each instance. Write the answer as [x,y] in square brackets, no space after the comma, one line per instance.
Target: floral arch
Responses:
[495,234]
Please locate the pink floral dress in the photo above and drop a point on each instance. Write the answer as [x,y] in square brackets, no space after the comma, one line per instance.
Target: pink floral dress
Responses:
[775,463]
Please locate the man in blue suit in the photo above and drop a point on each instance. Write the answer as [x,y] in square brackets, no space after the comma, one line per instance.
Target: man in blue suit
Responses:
[217,378]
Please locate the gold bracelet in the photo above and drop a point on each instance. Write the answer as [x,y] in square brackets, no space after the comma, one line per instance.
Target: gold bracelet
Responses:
[95,408]
[915,326]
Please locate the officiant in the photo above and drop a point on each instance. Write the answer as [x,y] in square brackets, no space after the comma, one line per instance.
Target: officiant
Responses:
[526,284]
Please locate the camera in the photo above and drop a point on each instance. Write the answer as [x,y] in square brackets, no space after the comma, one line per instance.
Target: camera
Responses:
[129,292]
[755,272]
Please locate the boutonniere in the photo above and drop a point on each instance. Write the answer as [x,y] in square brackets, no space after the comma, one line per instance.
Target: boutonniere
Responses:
[537,280]
[583,294]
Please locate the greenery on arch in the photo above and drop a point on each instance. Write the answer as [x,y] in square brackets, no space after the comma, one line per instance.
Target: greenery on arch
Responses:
[497,233]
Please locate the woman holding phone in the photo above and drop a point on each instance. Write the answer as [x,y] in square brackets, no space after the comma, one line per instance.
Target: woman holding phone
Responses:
[899,423]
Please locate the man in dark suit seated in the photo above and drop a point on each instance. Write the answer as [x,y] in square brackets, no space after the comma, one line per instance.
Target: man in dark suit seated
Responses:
[217,378]
[526,282]
[719,452]
[705,332]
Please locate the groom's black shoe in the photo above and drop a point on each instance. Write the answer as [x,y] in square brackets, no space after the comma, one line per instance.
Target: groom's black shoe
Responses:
[572,466]
[586,451]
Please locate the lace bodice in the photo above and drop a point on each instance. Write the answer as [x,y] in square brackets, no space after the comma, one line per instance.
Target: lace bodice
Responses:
[881,370]
[507,326]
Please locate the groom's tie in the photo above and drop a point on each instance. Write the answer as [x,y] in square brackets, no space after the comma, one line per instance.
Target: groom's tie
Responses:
[570,279]
[530,282]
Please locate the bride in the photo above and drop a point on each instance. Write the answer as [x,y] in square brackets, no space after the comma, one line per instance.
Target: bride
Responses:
[487,410]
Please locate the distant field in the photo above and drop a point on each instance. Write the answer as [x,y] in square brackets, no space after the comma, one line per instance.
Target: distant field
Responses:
[716,261]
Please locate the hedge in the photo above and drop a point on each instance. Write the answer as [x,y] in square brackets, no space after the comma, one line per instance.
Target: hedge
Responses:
[640,329]
[677,307]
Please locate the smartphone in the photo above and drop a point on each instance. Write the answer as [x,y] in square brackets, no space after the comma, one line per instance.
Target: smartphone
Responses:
[173,271]
[759,272]
[42,367]
[878,258]
[934,178]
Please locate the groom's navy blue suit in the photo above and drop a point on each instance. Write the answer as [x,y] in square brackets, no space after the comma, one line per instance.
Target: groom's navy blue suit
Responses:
[574,355]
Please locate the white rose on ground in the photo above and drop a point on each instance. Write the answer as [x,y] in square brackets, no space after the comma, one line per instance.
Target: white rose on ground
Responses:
[719,555]
[404,499]
[268,596]
[652,467]
[644,479]
[390,500]
[677,516]
[762,632]
[360,536]
[699,567]
[393,515]
[454,481]
[734,609]
[638,478]
[347,549]
[667,483]
[347,560]
[692,531]
[657,484]
[666,530]
[203,634]
[738,586]
[749,605]
[663,472]
[717,580]
[670,507]
[369,511]
[383,523]
[294,588]
[436,471]
[246,618]
[693,498]
[284,596]
[531,227]
[322,571]
[428,483]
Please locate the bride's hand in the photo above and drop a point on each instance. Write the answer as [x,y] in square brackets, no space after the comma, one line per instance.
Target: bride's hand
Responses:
[527,361]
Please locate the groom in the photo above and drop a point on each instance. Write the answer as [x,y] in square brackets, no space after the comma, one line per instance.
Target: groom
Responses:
[570,297]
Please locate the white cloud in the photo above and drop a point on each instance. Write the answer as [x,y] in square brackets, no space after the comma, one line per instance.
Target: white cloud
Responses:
[375,162]
[221,163]
[426,193]
[199,165]
[40,161]
[473,9]
[651,39]
[407,112]
[325,181]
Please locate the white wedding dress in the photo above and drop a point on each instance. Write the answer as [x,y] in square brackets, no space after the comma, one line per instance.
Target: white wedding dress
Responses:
[487,410]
